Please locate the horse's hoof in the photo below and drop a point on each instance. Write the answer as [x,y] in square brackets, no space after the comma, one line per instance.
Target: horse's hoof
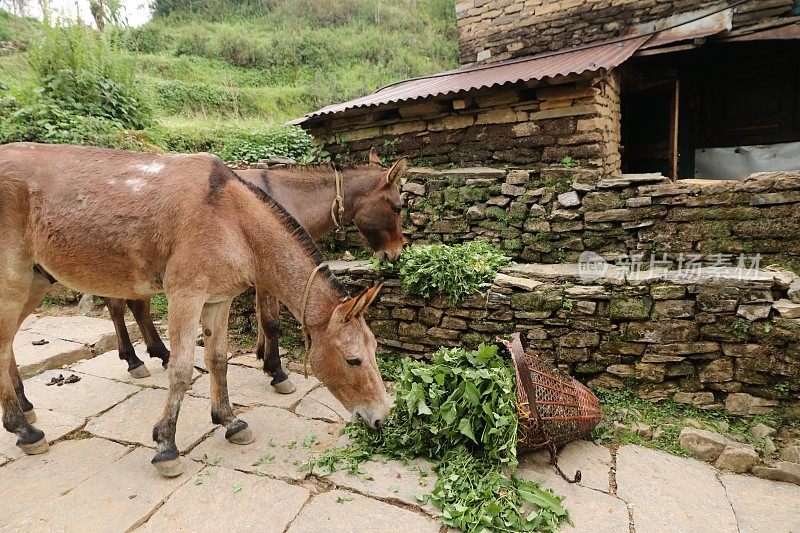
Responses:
[285,387]
[240,433]
[31,416]
[41,446]
[171,467]
[139,372]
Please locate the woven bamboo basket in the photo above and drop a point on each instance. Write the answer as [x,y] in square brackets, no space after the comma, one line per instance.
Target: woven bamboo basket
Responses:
[553,408]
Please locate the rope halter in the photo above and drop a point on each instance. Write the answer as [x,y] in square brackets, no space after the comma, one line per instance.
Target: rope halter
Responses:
[337,209]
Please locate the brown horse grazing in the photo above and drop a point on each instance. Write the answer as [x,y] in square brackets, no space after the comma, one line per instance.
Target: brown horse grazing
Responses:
[128,225]
[371,202]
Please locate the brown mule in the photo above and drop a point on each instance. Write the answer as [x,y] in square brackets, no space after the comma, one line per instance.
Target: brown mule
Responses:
[128,225]
[370,201]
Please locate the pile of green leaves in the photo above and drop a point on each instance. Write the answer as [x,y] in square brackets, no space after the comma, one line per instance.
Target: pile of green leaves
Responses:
[459,410]
[455,271]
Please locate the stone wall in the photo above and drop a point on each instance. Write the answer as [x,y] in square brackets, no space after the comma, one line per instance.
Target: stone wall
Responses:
[497,30]
[554,213]
[524,124]
[719,340]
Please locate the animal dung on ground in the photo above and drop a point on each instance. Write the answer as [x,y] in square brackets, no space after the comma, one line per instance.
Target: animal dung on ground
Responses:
[61,380]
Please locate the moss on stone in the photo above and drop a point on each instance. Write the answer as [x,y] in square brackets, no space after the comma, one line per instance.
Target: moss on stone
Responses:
[628,309]
[542,300]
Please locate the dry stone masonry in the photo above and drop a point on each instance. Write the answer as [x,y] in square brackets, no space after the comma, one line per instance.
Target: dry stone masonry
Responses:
[555,213]
[689,338]
[497,30]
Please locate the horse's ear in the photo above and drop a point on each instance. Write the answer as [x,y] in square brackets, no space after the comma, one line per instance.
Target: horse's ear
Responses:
[356,305]
[397,171]
[374,159]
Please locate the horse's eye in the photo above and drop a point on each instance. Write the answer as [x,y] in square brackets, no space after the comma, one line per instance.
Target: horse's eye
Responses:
[354,361]
[397,208]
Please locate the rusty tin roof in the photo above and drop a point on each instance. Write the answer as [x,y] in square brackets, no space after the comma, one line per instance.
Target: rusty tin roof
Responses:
[595,57]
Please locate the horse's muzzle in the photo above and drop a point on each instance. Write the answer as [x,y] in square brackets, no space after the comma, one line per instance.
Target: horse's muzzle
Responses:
[388,255]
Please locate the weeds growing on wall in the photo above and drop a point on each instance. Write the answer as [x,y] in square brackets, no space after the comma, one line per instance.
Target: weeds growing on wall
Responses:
[460,411]
[667,418]
[455,270]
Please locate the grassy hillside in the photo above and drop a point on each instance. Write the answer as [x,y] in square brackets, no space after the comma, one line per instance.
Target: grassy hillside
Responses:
[209,66]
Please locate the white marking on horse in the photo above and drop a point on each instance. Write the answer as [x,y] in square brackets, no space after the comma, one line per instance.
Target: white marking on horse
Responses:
[136,184]
[150,168]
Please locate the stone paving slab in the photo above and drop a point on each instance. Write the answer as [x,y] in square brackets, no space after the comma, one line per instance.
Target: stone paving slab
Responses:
[54,424]
[32,360]
[250,359]
[26,323]
[592,460]
[391,480]
[280,444]
[133,420]
[591,511]
[85,330]
[110,366]
[669,493]
[34,480]
[88,397]
[119,497]
[320,404]
[341,511]
[220,499]
[763,506]
[248,387]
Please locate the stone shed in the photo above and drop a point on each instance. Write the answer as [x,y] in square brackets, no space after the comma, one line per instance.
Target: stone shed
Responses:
[688,89]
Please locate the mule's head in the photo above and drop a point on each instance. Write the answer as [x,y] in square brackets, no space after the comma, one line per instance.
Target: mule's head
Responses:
[377,211]
[342,356]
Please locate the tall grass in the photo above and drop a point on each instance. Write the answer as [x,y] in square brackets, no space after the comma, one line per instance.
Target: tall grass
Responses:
[203,71]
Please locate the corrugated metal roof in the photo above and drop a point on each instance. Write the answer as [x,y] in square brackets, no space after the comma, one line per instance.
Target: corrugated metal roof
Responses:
[575,61]
[711,24]
[789,31]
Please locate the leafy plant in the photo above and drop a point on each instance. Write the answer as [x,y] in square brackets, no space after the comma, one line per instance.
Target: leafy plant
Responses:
[83,91]
[569,162]
[455,271]
[459,410]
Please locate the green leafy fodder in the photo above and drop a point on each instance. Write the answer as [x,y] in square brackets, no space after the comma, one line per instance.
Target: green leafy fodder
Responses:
[455,270]
[459,410]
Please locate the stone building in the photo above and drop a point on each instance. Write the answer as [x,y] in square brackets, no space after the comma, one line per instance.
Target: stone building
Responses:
[689,89]
[575,118]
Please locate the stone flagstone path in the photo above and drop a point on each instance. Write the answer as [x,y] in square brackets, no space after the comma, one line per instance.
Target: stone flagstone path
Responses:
[97,475]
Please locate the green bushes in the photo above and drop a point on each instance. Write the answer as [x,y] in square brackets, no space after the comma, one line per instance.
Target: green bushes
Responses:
[83,92]
[240,144]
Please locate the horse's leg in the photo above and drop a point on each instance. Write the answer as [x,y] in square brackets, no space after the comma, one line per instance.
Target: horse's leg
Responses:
[136,368]
[36,293]
[268,310]
[155,346]
[215,331]
[16,292]
[184,313]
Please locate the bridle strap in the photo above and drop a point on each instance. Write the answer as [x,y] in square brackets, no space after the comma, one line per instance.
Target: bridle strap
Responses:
[303,330]
[337,207]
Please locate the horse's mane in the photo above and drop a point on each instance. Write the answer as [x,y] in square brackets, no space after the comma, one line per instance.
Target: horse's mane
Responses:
[296,230]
